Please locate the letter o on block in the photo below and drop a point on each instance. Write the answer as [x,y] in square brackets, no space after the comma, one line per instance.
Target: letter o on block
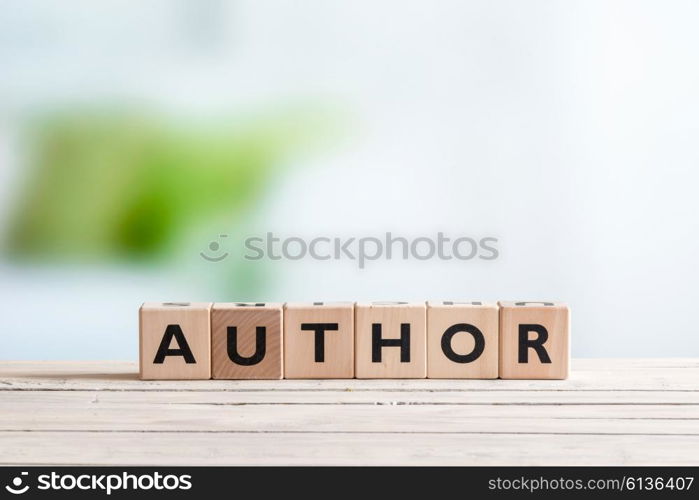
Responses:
[462,340]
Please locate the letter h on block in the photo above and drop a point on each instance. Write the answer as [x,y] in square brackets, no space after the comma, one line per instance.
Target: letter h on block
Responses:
[390,340]
[534,340]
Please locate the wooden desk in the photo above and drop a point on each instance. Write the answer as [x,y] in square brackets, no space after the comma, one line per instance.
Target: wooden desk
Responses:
[610,412]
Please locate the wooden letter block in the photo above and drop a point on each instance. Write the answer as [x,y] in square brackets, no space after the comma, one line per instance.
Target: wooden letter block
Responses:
[534,340]
[390,340]
[319,340]
[462,340]
[175,340]
[246,340]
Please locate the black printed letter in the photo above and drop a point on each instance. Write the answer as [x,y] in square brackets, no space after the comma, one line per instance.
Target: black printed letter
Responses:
[537,344]
[320,329]
[260,346]
[403,342]
[174,331]
[463,358]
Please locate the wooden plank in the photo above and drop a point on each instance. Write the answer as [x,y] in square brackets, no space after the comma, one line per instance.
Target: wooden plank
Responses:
[687,381]
[129,448]
[57,402]
[586,375]
[315,419]
[363,397]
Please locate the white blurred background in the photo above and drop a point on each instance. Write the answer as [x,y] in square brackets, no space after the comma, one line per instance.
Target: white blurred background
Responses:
[568,130]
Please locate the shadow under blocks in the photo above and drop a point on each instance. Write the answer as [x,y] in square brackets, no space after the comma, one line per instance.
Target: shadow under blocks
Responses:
[374,340]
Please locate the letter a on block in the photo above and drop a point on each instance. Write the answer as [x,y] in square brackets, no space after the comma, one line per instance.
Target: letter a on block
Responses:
[534,340]
[175,340]
[246,340]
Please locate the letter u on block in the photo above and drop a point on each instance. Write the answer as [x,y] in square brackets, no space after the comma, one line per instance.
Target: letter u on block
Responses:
[246,340]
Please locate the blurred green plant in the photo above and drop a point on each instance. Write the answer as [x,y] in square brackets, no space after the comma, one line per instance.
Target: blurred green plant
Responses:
[114,185]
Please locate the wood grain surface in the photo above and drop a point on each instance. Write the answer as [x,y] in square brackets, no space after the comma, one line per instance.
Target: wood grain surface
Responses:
[608,412]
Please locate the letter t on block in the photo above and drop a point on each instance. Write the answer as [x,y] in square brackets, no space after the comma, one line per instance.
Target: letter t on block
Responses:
[175,340]
[534,340]
[319,340]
